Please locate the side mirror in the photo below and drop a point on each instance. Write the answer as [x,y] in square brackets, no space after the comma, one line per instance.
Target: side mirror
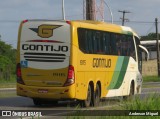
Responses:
[145,50]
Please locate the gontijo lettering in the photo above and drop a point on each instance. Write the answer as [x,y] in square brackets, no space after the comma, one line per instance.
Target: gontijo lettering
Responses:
[101,63]
[34,47]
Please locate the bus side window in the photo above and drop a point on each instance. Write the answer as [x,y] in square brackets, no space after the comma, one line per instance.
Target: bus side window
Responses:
[98,42]
[113,44]
[118,44]
[81,39]
[85,40]
[94,43]
[131,47]
[90,41]
[106,43]
[100,45]
[124,46]
[127,46]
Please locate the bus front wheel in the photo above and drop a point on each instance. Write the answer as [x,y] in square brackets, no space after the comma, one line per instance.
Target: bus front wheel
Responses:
[131,93]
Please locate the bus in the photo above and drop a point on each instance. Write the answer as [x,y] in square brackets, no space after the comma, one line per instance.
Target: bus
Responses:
[77,60]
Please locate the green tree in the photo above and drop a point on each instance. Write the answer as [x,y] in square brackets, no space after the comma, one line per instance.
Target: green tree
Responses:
[150,36]
[7,59]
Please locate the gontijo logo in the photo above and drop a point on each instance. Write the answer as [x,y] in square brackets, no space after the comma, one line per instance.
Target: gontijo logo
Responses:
[45,31]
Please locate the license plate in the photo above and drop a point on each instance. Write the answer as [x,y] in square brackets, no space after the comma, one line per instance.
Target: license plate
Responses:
[42,91]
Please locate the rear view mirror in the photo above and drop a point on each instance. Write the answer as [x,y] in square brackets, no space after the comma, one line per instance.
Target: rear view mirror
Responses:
[146,51]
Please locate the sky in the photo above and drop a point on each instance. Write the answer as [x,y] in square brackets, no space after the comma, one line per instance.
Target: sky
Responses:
[12,12]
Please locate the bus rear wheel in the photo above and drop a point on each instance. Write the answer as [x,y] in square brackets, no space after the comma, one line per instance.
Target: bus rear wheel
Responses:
[37,102]
[97,95]
[87,101]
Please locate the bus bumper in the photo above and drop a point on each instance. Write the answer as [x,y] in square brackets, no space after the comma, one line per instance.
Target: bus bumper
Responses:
[56,93]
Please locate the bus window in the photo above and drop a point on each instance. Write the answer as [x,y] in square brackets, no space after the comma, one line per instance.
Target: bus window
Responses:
[131,47]
[106,43]
[99,43]
[86,41]
[94,43]
[90,41]
[118,45]
[126,46]
[81,38]
[113,44]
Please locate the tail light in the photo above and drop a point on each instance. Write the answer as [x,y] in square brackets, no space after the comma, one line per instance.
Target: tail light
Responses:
[70,79]
[24,21]
[19,75]
[18,70]
[68,22]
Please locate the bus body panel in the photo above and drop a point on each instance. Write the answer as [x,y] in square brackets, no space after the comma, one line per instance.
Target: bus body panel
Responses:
[44,49]
[44,53]
[131,73]
[56,93]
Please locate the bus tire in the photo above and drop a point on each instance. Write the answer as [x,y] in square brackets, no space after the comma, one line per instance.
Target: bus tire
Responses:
[131,93]
[97,95]
[54,102]
[87,101]
[37,102]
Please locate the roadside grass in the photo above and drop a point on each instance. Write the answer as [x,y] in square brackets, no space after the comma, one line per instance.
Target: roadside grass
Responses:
[149,104]
[151,79]
[11,83]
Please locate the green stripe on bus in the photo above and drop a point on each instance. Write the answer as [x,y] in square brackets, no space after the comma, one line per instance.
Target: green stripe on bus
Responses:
[122,73]
[116,72]
[127,32]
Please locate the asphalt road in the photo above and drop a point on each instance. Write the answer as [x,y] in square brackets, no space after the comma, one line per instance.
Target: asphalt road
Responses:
[22,103]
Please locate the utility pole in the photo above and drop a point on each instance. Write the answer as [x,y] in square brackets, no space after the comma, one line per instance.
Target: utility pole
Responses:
[90,10]
[123,19]
[94,10]
[157,39]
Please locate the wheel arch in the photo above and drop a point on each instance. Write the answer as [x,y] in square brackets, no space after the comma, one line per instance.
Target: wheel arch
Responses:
[132,83]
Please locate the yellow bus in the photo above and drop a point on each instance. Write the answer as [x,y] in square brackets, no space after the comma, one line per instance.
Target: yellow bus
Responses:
[79,60]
